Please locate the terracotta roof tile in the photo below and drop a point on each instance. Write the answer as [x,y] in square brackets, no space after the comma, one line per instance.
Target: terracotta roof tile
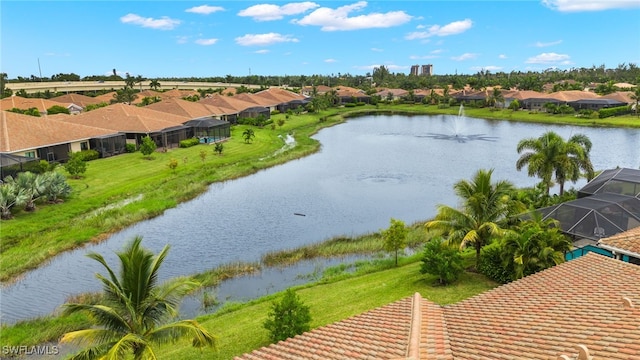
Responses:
[26,103]
[20,132]
[627,241]
[128,118]
[78,99]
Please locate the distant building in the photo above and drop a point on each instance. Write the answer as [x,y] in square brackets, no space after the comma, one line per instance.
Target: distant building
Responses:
[422,70]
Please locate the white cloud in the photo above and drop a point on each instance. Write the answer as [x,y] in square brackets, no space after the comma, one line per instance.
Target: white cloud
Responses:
[264,39]
[330,60]
[263,51]
[489,68]
[549,58]
[541,44]
[204,9]
[338,19]
[206,41]
[164,23]
[437,51]
[589,5]
[465,56]
[453,28]
[377,49]
[423,57]
[268,12]
[502,56]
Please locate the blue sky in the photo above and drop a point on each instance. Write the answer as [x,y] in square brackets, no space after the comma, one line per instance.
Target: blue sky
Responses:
[217,38]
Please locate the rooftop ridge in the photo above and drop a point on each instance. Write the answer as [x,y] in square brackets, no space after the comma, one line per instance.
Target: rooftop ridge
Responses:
[413,350]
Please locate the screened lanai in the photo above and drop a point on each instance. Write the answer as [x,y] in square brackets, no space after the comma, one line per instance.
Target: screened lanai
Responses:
[209,130]
[616,181]
[596,216]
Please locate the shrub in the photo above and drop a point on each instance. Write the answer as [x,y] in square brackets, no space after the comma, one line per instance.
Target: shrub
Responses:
[131,148]
[491,264]
[614,111]
[349,105]
[76,166]
[57,109]
[288,318]
[148,146]
[87,155]
[189,142]
[441,260]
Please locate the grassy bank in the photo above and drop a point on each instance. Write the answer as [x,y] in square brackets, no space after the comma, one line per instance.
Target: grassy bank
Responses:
[119,191]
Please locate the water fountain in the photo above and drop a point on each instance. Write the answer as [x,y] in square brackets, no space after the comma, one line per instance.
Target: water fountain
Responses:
[456,135]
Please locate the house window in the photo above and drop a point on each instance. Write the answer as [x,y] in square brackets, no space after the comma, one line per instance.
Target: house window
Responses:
[30,154]
[84,146]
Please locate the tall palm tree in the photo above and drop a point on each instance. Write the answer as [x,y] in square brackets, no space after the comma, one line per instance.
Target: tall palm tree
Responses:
[636,96]
[154,84]
[550,155]
[485,206]
[135,311]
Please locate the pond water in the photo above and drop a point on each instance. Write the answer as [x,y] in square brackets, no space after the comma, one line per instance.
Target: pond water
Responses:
[369,170]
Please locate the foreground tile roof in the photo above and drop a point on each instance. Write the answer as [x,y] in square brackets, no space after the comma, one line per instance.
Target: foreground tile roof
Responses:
[78,99]
[628,241]
[20,132]
[592,301]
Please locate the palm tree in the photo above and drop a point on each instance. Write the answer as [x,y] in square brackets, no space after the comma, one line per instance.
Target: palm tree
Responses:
[32,186]
[248,134]
[134,313]
[550,155]
[10,195]
[154,84]
[485,205]
[498,98]
[54,186]
[534,245]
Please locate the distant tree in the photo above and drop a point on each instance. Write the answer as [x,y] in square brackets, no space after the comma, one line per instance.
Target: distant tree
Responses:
[148,146]
[57,109]
[154,84]
[636,96]
[75,166]
[4,91]
[288,317]
[219,147]
[441,260]
[514,105]
[248,135]
[95,106]
[395,237]
[148,100]
[125,95]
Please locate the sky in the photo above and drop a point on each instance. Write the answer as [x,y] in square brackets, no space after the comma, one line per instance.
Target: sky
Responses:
[161,39]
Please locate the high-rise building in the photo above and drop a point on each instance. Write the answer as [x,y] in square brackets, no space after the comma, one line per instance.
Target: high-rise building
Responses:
[424,70]
[427,70]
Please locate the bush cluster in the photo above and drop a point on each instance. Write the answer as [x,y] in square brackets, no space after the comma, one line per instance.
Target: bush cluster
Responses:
[87,155]
[614,111]
[131,148]
[189,142]
[491,264]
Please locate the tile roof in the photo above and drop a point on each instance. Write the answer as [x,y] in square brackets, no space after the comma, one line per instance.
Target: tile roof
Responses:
[572,95]
[77,99]
[26,103]
[190,109]
[231,103]
[128,118]
[20,132]
[106,98]
[542,316]
[628,241]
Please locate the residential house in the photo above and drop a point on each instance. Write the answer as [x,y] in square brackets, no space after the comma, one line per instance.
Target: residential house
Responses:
[318,89]
[284,99]
[166,129]
[240,108]
[392,94]
[587,308]
[352,95]
[52,138]
[77,99]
